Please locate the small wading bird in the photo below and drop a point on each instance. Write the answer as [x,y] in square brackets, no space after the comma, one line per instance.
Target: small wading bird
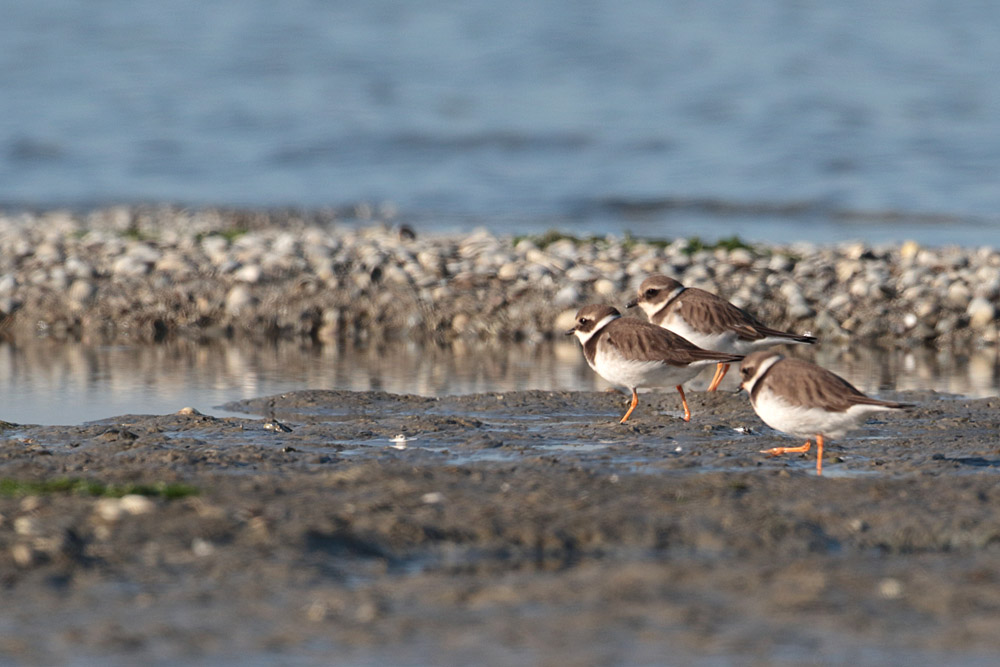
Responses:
[707,320]
[633,353]
[805,400]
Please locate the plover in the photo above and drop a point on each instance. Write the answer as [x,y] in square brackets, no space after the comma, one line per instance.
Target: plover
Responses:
[805,400]
[707,320]
[633,353]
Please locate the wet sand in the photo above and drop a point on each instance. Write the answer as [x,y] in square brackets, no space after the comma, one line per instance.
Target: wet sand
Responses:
[515,528]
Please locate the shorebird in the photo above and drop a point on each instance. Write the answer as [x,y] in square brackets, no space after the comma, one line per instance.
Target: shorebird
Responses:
[633,353]
[805,400]
[707,320]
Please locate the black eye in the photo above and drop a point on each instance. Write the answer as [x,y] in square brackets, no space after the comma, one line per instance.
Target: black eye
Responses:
[651,292]
[582,321]
[747,372]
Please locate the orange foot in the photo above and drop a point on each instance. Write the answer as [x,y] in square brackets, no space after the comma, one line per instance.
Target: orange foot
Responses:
[776,451]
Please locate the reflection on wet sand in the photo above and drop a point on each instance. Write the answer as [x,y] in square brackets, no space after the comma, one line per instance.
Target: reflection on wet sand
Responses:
[60,383]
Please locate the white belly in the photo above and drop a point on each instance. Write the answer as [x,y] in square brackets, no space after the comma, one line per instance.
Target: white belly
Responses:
[635,374]
[806,422]
[720,342]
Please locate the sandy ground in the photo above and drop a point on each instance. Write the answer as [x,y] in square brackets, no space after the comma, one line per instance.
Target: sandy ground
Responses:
[517,528]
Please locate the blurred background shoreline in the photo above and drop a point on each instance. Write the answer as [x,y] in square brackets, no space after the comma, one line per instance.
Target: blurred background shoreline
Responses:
[780,124]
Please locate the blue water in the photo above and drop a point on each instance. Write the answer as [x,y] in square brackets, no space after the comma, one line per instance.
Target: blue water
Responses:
[788,120]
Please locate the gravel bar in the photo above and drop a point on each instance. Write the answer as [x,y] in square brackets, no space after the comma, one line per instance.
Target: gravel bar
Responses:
[145,274]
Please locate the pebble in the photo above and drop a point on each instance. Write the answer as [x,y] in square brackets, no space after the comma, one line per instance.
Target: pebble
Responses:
[606,289]
[293,275]
[26,525]
[581,274]
[565,321]
[136,504]
[460,323]
[250,273]
[202,548]
[740,257]
[143,253]
[981,312]
[24,555]
[890,588]
[109,509]
[959,294]
[432,498]
[239,299]
[908,251]
[780,263]
[567,296]
[77,268]
[113,509]
[80,293]
[129,266]
[215,248]
[508,271]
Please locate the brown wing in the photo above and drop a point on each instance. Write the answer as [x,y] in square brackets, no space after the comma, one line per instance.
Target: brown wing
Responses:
[720,315]
[717,313]
[647,342]
[802,383]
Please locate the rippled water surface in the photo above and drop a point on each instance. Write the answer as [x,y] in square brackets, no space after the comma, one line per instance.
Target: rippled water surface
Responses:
[71,383]
[776,121]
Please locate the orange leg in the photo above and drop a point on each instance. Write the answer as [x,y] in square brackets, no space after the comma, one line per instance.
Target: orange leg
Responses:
[819,455]
[684,402]
[635,401]
[720,372]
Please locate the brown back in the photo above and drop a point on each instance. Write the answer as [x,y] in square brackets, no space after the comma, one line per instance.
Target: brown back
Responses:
[643,341]
[802,383]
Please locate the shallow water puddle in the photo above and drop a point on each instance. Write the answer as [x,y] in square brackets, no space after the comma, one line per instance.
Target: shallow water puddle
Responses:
[842,472]
[574,447]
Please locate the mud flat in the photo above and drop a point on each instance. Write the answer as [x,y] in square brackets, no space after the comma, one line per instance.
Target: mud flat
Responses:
[516,528]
